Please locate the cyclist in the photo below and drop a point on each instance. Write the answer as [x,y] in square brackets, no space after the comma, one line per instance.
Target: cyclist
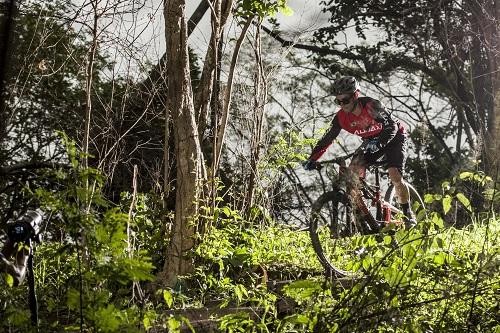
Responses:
[367,118]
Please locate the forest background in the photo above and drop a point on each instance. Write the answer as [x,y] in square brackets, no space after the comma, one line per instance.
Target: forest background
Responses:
[168,169]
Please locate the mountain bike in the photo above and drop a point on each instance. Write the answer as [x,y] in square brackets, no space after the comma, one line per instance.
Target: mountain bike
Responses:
[335,215]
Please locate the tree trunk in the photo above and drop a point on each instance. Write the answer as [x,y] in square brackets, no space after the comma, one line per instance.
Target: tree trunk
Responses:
[486,16]
[493,50]
[221,130]
[220,13]
[260,98]
[156,74]
[88,85]
[7,21]
[187,147]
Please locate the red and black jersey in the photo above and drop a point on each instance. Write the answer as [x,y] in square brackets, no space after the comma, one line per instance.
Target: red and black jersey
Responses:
[373,122]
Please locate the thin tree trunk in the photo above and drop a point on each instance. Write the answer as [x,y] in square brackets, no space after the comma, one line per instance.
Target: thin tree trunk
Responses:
[216,109]
[221,132]
[166,159]
[492,38]
[187,148]
[260,98]
[204,93]
[88,86]
[7,22]
[486,79]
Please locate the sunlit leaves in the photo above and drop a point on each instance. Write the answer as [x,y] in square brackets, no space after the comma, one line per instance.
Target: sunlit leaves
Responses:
[169,299]
[149,319]
[466,202]
[263,8]
[446,203]
[302,288]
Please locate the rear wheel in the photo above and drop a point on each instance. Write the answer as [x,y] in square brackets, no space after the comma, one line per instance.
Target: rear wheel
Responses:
[331,220]
[416,201]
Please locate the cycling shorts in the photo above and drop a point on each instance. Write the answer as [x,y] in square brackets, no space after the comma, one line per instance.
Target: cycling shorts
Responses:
[395,152]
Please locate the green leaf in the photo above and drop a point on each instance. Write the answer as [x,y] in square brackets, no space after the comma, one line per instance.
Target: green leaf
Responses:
[107,319]
[466,175]
[394,302]
[302,288]
[9,279]
[387,240]
[428,198]
[169,299]
[392,276]
[149,319]
[447,203]
[226,211]
[440,258]
[463,199]
[174,325]
[366,263]
[298,319]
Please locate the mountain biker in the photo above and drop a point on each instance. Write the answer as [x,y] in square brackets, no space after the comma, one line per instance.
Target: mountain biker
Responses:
[382,134]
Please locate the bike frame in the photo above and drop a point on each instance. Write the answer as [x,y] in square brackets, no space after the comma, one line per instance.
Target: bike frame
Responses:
[384,209]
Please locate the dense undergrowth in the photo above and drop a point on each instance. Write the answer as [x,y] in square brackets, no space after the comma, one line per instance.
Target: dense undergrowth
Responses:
[95,272]
[429,279]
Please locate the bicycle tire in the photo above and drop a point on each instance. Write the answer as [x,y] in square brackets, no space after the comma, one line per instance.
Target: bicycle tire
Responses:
[390,197]
[326,211]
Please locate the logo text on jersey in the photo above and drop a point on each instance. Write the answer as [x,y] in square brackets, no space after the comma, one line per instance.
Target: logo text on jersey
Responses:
[373,128]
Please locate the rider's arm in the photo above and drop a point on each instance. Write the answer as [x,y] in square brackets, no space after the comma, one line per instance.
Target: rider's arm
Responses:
[326,140]
[389,125]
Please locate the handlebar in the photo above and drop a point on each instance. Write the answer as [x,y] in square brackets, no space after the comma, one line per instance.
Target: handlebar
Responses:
[341,160]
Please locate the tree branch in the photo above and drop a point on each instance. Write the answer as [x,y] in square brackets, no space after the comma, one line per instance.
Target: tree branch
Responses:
[10,169]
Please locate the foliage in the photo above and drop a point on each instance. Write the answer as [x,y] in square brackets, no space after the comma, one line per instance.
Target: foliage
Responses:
[48,86]
[437,49]
[429,278]
[471,194]
[87,263]
[237,253]
[427,166]
[263,8]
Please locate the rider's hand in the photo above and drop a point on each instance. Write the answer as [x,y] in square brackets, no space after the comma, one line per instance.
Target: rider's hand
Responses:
[309,164]
[372,146]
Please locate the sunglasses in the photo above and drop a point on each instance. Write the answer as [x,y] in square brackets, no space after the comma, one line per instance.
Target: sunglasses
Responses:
[343,101]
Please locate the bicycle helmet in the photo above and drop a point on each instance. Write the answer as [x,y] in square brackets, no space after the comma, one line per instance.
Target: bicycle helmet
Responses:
[345,85]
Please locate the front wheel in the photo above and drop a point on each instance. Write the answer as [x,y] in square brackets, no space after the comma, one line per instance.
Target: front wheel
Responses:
[331,219]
